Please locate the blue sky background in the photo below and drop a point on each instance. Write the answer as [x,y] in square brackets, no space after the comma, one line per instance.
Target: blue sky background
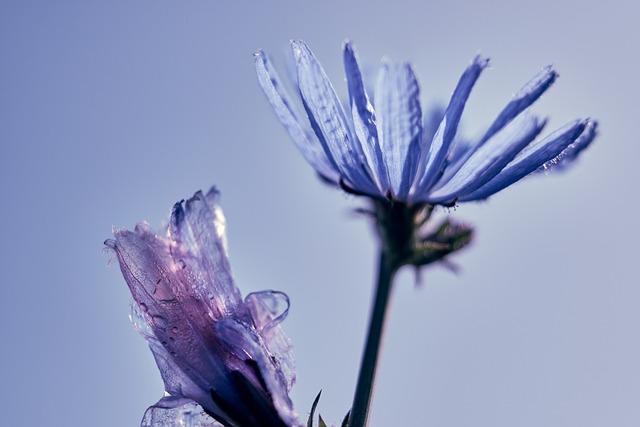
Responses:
[112,111]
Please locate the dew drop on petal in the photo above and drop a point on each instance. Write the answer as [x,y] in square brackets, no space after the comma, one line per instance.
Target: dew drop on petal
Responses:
[159,322]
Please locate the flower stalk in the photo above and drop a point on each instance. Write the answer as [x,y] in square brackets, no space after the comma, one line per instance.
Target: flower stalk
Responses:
[364,389]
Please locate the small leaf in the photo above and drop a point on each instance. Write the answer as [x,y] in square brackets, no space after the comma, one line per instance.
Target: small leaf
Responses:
[313,409]
[321,422]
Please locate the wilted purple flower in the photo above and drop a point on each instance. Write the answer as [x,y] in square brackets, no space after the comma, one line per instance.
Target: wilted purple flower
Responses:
[393,153]
[228,355]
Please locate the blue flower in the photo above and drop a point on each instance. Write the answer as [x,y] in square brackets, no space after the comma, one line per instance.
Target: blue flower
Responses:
[227,354]
[391,152]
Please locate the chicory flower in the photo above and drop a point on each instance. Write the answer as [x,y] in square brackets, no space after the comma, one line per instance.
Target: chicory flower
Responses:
[227,354]
[384,148]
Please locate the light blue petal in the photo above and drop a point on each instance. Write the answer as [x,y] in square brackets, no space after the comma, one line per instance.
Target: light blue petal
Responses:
[488,160]
[328,120]
[399,124]
[530,158]
[432,165]
[571,153]
[526,96]
[364,119]
[303,137]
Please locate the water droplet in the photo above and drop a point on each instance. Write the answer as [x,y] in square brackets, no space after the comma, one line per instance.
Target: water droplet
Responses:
[182,264]
[174,329]
[159,322]
[144,307]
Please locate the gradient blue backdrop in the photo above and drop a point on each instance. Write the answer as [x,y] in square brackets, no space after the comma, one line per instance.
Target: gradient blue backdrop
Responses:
[112,111]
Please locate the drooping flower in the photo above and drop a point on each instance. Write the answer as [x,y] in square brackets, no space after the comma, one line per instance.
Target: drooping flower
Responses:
[385,149]
[227,354]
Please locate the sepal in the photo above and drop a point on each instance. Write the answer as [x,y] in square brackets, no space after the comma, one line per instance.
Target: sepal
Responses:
[449,237]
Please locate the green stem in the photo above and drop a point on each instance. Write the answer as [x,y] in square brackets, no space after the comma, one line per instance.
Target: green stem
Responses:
[364,389]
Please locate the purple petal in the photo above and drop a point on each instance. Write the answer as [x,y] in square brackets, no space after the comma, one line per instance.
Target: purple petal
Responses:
[431,166]
[176,319]
[364,119]
[488,160]
[199,248]
[258,383]
[531,158]
[399,124]
[175,381]
[304,139]
[328,120]
[268,309]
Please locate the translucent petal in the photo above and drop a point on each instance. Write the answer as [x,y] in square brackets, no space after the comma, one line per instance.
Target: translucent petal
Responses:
[177,412]
[202,335]
[303,137]
[530,158]
[268,309]
[431,167]
[488,160]
[258,383]
[328,120]
[199,249]
[364,120]
[172,314]
[399,124]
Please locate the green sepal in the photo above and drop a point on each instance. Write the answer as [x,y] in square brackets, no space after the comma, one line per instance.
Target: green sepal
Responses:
[449,237]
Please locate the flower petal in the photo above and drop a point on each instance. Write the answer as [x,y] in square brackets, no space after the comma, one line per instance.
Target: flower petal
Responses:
[199,247]
[399,124]
[268,309]
[531,158]
[328,120]
[364,119]
[175,381]
[303,137]
[526,96]
[568,156]
[488,160]
[258,384]
[175,318]
[173,411]
[431,166]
